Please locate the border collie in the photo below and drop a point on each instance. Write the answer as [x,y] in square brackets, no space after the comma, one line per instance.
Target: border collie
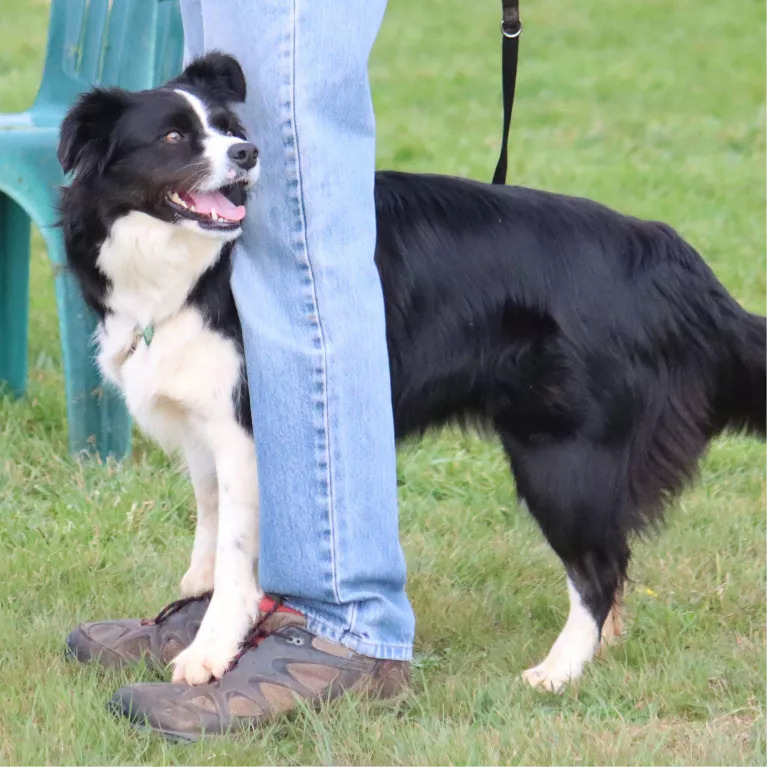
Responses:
[600,348]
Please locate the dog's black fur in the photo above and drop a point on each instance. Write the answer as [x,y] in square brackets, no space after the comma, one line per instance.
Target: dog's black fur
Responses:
[600,348]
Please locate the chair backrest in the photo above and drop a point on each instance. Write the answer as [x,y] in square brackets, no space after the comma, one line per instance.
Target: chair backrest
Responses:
[134,44]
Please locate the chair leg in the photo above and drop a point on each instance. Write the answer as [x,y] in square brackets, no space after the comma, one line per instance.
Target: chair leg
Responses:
[14,295]
[98,419]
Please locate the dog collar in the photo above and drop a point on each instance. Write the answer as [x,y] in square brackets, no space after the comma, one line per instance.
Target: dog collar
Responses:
[146,333]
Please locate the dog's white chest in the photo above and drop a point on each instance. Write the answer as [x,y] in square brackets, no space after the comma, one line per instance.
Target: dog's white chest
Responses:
[182,373]
[187,374]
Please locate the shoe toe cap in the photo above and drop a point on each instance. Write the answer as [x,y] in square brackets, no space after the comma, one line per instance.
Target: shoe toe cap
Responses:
[174,710]
[105,642]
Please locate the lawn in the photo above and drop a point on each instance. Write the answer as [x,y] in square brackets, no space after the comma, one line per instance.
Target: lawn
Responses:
[653,107]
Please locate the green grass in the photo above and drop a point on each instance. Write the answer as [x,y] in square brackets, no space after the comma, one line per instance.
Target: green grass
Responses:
[653,107]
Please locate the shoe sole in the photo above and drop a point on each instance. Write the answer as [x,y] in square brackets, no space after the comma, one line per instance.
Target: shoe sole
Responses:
[177,736]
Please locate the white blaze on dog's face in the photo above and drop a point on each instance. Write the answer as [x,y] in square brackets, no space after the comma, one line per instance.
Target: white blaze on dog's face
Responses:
[222,148]
[177,153]
[215,203]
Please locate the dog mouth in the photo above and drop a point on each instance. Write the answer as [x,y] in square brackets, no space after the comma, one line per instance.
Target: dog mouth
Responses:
[221,210]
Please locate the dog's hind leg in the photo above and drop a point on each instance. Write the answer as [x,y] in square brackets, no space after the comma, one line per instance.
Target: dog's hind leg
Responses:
[202,471]
[573,490]
[591,586]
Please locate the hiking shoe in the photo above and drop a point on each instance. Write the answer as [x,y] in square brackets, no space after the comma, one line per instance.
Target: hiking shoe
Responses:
[157,641]
[272,676]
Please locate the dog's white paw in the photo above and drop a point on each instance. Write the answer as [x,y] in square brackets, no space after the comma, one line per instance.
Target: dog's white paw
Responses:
[544,677]
[571,651]
[198,578]
[203,661]
[223,629]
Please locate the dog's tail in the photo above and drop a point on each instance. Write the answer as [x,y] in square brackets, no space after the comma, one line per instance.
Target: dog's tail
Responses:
[741,399]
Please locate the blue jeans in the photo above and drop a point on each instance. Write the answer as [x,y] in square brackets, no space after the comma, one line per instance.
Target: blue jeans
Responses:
[310,303]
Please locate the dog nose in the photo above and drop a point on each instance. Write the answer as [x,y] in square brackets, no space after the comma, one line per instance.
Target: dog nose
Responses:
[243,154]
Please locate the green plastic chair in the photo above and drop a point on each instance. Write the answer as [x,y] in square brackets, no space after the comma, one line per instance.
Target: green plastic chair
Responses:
[135,44]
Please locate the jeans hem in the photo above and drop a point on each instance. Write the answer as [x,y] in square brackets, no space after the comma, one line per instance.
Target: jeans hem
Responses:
[380,650]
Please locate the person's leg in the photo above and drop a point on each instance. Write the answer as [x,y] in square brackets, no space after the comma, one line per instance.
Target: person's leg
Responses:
[310,302]
[191,17]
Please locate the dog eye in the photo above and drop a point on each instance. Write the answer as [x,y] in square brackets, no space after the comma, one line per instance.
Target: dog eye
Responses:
[172,137]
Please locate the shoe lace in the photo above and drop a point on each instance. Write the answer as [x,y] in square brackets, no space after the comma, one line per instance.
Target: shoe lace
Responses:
[258,633]
[174,607]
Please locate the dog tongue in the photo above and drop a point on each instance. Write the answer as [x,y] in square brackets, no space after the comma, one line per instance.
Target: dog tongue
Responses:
[204,202]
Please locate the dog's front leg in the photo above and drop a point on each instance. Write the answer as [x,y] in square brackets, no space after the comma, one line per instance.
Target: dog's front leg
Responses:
[202,470]
[236,595]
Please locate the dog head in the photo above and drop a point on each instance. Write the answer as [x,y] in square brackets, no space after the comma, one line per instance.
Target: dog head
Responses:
[177,153]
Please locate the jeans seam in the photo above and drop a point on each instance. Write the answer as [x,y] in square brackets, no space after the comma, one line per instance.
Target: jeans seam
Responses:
[352,616]
[320,330]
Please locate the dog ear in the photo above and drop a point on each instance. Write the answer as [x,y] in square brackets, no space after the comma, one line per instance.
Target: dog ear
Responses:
[218,73]
[85,139]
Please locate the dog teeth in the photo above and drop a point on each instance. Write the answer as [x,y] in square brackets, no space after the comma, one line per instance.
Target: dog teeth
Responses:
[178,200]
[175,198]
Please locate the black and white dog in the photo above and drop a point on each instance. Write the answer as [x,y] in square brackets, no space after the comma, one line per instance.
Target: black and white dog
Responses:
[600,348]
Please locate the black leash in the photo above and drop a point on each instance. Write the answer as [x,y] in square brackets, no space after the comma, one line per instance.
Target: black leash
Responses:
[511,27]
